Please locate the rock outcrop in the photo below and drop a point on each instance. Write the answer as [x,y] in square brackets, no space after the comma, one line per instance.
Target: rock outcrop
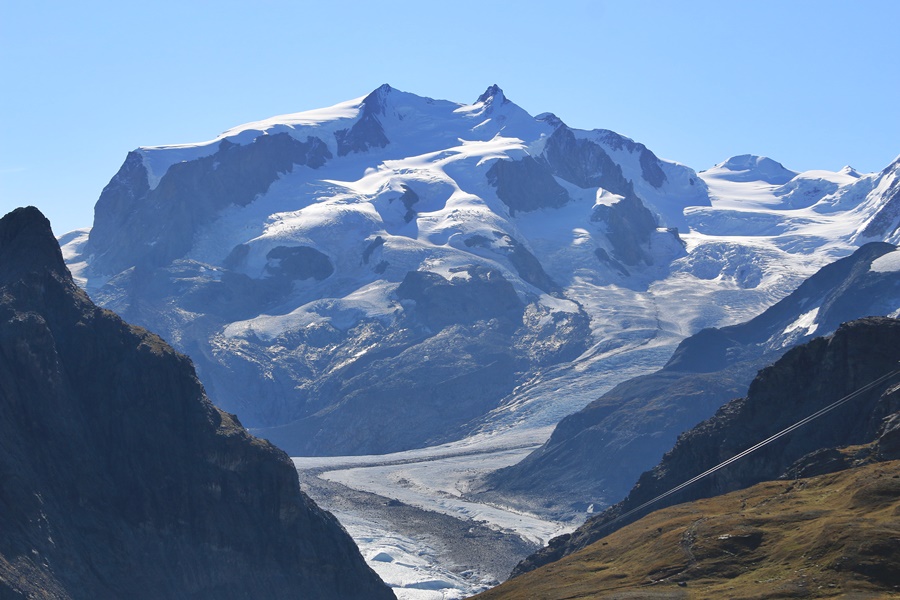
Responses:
[118,476]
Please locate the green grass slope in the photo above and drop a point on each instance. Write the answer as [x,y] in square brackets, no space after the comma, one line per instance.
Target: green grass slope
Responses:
[836,535]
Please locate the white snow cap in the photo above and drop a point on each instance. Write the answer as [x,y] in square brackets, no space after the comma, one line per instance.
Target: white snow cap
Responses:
[493,94]
[749,167]
[850,171]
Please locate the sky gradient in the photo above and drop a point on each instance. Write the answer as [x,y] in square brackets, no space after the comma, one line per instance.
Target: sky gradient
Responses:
[813,85]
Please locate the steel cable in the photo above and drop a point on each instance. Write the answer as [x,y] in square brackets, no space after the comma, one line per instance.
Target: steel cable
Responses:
[759,445]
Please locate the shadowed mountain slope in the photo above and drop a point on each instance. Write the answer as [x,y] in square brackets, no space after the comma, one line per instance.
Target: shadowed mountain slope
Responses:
[120,479]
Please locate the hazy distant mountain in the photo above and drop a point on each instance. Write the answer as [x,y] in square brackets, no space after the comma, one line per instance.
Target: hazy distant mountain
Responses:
[120,479]
[397,271]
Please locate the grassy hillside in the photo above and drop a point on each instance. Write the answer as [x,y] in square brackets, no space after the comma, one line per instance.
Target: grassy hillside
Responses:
[837,535]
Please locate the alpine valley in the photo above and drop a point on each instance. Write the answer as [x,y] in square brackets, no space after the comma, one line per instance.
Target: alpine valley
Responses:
[408,294]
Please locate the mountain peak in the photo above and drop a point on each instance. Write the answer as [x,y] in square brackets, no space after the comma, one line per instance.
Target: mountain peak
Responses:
[550,119]
[27,244]
[493,95]
[750,167]
[743,162]
[374,103]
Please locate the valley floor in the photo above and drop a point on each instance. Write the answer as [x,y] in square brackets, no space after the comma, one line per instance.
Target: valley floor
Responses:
[408,514]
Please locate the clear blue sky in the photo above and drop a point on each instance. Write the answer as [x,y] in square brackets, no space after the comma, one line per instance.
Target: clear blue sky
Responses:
[813,84]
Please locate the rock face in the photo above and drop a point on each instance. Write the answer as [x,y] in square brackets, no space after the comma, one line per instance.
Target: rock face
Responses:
[120,479]
[630,226]
[367,132]
[526,185]
[584,162]
[188,196]
[807,379]
[631,426]
[885,224]
[440,302]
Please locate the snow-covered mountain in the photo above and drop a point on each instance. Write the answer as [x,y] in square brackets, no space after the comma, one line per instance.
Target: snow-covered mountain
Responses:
[397,271]
[750,168]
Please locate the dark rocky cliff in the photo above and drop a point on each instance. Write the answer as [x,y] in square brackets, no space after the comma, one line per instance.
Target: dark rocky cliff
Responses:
[120,479]
[805,380]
